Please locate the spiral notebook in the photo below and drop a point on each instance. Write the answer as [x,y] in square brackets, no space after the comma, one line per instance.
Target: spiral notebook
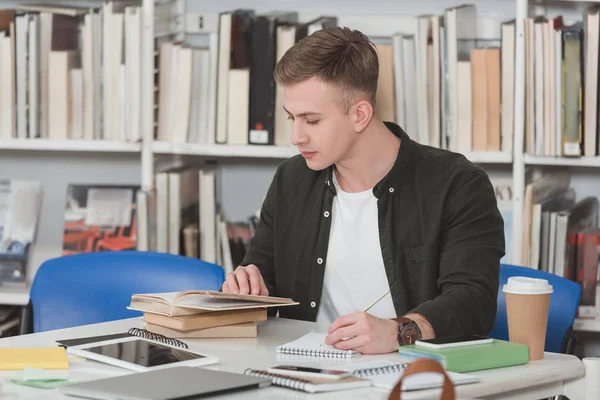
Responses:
[382,374]
[139,332]
[385,374]
[310,385]
[313,344]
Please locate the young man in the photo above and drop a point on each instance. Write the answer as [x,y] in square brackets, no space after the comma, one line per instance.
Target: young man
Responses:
[365,209]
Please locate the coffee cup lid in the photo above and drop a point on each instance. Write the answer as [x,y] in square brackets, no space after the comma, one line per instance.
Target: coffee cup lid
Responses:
[525,285]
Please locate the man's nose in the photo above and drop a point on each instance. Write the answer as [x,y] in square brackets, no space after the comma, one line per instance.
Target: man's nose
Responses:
[299,137]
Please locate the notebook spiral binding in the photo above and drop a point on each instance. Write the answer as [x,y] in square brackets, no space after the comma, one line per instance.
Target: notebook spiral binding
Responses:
[362,373]
[157,337]
[318,353]
[279,380]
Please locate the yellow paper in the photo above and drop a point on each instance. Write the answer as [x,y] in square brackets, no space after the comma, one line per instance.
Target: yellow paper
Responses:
[47,358]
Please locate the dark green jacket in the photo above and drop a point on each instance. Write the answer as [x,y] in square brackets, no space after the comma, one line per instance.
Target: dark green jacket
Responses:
[441,235]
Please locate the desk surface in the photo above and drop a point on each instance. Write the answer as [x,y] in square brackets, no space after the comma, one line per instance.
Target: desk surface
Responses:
[538,379]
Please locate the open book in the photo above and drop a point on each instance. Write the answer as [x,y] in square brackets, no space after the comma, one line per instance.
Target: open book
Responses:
[198,301]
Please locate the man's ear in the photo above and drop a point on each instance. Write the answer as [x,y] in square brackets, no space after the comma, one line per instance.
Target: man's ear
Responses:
[363,112]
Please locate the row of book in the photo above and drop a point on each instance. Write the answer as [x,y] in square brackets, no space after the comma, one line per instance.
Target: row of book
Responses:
[74,72]
[71,72]
[561,234]
[422,81]
[561,85]
[224,92]
[182,216]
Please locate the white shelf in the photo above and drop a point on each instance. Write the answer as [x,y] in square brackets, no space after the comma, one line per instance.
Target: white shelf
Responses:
[214,150]
[586,325]
[282,152]
[489,157]
[225,150]
[72,145]
[562,161]
[14,296]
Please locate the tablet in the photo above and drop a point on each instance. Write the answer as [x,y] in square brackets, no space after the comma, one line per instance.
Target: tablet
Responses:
[141,354]
[453,341]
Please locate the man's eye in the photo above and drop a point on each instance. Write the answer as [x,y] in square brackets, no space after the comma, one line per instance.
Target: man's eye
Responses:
[312,122]
[290,117]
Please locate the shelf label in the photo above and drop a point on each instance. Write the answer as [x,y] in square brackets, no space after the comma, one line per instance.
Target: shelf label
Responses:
[259,137]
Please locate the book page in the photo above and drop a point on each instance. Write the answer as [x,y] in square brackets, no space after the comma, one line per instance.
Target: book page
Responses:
[213,302]
[234,296]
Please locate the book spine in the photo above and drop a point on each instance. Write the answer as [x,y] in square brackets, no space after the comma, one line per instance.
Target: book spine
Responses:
[262,85]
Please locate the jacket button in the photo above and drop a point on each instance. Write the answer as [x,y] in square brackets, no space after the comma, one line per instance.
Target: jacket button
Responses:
[326,214]
[327,182]
[319,260]
[391,190]
[313,304]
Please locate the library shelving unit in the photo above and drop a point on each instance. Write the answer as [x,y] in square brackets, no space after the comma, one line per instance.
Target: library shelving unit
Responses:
[383,19]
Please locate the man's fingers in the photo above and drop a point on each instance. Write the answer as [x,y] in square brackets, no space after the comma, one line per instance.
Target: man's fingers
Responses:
[341,333]
[352,343]
[242,280]
[263,288]
[343,321]
[231,282]
[254,278]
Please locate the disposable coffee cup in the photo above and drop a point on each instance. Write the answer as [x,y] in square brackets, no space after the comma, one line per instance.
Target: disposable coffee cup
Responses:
[527,304]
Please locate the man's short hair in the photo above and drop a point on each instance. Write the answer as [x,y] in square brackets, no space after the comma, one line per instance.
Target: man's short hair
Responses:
[338,56]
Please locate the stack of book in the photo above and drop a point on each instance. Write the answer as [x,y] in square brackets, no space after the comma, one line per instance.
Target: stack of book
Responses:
[204,313]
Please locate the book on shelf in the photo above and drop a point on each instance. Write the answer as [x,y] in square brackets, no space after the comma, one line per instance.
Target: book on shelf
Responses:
[560,235]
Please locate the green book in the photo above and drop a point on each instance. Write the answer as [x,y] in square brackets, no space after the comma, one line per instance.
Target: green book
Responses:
[499,353]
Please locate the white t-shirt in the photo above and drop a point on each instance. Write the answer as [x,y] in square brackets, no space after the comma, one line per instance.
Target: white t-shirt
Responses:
[354,272]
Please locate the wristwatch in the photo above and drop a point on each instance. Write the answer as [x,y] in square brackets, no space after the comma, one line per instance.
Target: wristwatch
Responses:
[408,331]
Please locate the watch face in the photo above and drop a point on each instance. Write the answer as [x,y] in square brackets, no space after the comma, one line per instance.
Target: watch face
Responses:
[409,334]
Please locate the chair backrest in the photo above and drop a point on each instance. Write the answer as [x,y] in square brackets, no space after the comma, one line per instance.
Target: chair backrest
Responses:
[563,305]
[97,287]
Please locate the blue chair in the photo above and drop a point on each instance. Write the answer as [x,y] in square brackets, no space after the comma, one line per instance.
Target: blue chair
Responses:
[89,288]
[564,302]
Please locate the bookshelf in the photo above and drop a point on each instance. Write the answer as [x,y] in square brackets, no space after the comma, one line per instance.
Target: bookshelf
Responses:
[224,150]
[378,20]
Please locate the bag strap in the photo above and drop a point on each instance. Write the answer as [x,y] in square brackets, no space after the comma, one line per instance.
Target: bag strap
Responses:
[424,365]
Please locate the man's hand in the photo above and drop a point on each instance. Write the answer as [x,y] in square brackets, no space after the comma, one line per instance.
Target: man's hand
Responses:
[245,280]
[366,334]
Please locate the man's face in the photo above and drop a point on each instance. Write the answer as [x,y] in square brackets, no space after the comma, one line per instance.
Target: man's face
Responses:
[321,131]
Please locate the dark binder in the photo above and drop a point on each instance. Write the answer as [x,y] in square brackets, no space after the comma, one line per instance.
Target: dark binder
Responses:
[262,84]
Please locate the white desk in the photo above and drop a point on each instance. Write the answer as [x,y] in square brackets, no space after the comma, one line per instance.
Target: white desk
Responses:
[556,374]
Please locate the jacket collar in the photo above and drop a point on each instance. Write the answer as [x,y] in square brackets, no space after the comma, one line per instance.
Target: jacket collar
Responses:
[389,183]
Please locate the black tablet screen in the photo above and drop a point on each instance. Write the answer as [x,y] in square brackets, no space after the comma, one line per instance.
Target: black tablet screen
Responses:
[144,353]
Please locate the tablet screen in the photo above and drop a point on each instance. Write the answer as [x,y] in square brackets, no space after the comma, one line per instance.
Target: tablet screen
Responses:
[144,353]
